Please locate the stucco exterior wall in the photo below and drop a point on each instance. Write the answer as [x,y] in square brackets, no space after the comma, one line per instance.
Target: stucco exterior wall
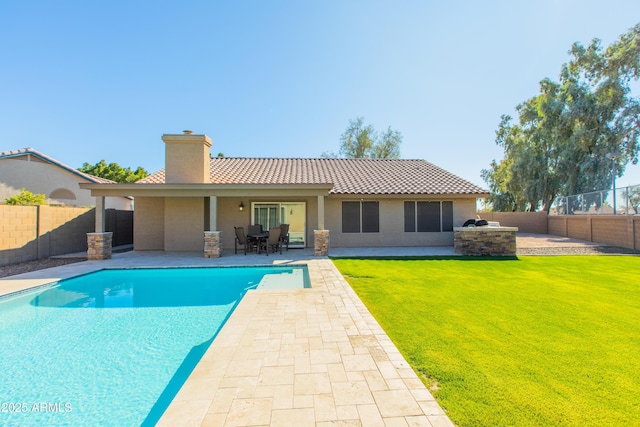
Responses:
[148,233]
[41,177]
[184,223]
[186,158]
[178,223]
[229,216]
[392,225]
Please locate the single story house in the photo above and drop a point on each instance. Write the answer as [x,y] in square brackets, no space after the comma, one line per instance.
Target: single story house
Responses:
[34,171]
[357,202]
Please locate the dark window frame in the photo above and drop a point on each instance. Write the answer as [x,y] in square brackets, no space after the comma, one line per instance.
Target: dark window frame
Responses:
[361,216]
[428,216]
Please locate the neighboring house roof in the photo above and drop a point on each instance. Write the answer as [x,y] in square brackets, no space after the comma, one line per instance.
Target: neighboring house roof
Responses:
[348,176]
[25,151]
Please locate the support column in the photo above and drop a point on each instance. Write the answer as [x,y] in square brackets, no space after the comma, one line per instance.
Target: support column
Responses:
[100,243]
[212,237]
[212,244]
[100,215]
[320,212]
[99,246]
[213,213]
[321,242]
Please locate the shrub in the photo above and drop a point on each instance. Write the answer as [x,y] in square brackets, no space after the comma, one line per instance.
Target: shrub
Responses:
[26,198]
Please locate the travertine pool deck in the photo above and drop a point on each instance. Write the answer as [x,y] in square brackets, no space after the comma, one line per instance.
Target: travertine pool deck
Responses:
[292,357]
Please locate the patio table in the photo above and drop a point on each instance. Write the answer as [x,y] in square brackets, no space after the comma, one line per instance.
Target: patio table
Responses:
[258,237]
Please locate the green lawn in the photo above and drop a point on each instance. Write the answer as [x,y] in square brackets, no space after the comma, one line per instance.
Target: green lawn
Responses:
[534,341]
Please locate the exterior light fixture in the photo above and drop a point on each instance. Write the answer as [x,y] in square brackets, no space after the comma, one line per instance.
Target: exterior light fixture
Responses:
[241,207]
[613,156]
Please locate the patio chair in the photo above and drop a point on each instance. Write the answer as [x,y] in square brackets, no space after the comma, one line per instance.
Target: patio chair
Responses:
[284,235]
[273,241]
[242,240]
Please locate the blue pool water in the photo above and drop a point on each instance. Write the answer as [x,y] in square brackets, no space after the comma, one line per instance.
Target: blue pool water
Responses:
[114,347]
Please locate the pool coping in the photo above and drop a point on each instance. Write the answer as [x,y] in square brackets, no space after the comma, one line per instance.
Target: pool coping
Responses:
[312,356]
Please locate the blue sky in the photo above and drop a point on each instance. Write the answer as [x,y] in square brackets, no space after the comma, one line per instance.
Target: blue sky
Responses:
[84,80]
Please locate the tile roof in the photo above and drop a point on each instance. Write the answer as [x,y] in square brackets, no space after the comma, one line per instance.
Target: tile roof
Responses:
[348,176]
[25,151]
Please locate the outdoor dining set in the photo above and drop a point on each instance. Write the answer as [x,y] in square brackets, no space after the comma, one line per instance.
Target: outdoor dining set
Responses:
[257,240]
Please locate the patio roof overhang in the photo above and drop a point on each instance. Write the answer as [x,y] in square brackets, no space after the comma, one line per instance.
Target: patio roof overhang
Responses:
[205,190]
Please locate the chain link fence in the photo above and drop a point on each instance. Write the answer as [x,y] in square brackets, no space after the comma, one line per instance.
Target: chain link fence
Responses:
[625,201]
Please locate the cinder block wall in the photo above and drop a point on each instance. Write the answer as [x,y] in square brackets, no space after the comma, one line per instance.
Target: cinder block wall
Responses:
[527,222]
[611,229]
[616,230]
[557,225]
[66,229]
[34,232]
[18,234]
[578,228]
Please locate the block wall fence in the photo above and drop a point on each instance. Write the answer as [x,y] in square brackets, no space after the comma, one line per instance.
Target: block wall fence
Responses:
[28,233]
[615,230]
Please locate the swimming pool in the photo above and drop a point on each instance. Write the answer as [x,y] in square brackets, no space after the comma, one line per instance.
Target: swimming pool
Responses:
[113,347]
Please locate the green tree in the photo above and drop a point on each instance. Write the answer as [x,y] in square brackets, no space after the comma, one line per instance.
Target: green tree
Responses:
[634,198]
[26,198]
[362,141]
[114,172]
[387,145]
[560,142]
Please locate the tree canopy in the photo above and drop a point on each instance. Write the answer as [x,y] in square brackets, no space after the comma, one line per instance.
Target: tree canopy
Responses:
[114,172]
[363,141]
[562,136]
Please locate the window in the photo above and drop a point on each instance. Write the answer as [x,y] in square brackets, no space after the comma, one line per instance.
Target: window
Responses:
[428,217]
[360,217]
[370,217]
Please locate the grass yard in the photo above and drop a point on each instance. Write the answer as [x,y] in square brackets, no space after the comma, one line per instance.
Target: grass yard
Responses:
[534,341]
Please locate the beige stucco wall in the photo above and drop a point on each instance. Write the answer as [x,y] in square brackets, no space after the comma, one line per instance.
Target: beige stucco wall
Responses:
[186,158]
[229,216]
[184,224]
[148,231]
[178,223]
[392,225]
[41,177]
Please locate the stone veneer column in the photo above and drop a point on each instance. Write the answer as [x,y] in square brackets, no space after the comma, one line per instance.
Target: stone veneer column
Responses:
[321,242]
[99,245]
[212,244]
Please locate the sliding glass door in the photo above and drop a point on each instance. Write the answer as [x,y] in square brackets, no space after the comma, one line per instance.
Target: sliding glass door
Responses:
[272,214]
[265,215]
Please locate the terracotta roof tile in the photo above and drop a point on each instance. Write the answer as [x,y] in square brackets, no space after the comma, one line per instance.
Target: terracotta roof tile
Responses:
[348,176]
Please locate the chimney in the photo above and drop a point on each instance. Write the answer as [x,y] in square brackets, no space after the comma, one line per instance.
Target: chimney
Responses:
[186,158]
